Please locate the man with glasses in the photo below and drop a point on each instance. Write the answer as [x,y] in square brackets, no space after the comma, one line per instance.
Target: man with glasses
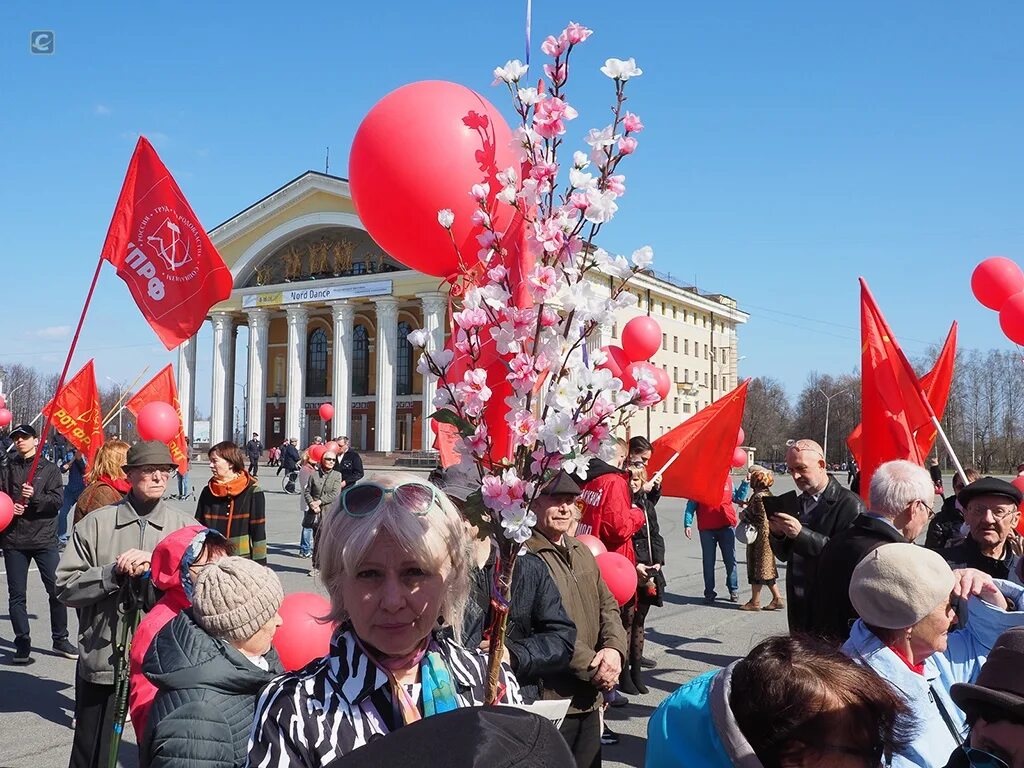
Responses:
[32,536]
[991,511]
[350,465]
[108,548]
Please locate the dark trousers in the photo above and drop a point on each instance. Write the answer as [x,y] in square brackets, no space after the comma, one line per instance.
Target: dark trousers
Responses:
[254,465]
[17,563]
[583,735]
[94,724]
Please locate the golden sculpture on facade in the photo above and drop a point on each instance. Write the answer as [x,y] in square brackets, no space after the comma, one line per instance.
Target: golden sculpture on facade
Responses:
[341,256]
[263,275]
[318,257]
[292,264]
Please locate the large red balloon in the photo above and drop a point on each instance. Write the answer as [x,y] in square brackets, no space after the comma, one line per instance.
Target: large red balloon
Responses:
[641,338]
[619,574]
[995,280]
[301,637]
[6,417]
[421,149]
[316,452]
[333,447]
[594,544]
[740,436]
[326,411]
[739,457]
[617,361]
[662,383]
[1011,318]
[159,421]
[6,510]
[646,370]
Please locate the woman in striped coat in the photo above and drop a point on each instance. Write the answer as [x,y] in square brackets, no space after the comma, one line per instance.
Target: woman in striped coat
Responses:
[232,503]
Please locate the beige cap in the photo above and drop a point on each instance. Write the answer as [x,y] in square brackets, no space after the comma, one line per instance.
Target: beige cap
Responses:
[897,585]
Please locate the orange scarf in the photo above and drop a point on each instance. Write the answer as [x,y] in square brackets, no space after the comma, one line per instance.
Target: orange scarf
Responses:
[231,489]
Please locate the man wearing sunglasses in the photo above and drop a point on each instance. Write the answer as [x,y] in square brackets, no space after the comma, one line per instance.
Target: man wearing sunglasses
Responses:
[991,513]
[350,465]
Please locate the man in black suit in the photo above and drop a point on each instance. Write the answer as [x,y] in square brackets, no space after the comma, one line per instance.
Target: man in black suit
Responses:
[349,463]
[901,502]
[826,509]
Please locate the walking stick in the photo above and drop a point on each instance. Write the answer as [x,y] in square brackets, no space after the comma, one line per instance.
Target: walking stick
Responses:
[129,600]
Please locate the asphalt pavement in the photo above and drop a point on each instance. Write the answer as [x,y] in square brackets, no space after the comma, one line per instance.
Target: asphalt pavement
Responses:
[685,638]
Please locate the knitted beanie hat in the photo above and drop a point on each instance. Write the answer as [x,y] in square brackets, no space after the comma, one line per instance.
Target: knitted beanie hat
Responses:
[234,597]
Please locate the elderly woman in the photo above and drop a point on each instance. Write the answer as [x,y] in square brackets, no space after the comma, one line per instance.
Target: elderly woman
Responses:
[107,482]
[394,559]
[233,505]
[321,489]
[761,568]
[907,597]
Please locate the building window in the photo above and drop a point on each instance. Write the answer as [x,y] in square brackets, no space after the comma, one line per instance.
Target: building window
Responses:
[705,351]
[686,375]
[686,346]
[725,383]
[686,407]
[664,341]
[316,364]
[403,365]
[705,319]
[675,405]
[675,374]
[360,361]
[664,406]
[675,343]
[663,307]
[615,330]
[675,312]
[705,378]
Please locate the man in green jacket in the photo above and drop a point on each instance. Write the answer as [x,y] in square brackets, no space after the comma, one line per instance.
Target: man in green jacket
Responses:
[108,546]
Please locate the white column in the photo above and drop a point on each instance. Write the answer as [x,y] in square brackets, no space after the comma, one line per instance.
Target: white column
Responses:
[296,374]
[434,306]
[187,383]
[223,381]
[343,313]
[229,406]
[259,325]
[387,344]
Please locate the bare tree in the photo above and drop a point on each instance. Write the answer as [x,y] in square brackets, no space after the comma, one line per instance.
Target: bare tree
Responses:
[767,418]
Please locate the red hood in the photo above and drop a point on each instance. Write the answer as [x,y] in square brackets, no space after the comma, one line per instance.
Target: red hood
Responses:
[165,567]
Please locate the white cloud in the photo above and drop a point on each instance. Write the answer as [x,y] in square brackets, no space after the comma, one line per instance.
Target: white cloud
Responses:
[101,110]
[51,332]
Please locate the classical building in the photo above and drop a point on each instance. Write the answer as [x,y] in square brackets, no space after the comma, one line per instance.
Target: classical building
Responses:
[327,315]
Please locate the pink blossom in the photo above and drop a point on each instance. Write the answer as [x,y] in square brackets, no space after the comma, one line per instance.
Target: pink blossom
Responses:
[522,374]
[487,238]
[497,274]
[524,428]
[552,46]
[470,318]
[632,123]
[543,282]
[476,443]
[627,145]
[603,408]
[616,184]
[542,460]
[480,218]
[648,394]
[549,234]
[598,435]
[494,493]
[462,344]
[585,424]
[548,117]
[555,74]
[574,34]
[544,171]
[579,200]
[549,317]
[479,192]
[473,391]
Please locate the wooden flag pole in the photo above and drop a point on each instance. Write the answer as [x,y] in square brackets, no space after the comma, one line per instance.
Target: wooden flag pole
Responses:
[119,405]
[949,450]
[668,464]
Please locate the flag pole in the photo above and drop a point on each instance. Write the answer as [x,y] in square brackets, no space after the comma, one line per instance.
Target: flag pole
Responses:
[668,464]
[119,405]
[949,450]
[67,364]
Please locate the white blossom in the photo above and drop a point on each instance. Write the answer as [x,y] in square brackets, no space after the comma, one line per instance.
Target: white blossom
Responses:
[513,70]
[446,218]
[643,257]
[601,206]
[617,69]
[418,338]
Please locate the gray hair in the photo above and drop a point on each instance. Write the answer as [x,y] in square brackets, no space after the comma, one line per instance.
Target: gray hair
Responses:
[896,484]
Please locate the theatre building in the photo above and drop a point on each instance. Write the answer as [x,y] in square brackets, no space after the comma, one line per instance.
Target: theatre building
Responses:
[327,313]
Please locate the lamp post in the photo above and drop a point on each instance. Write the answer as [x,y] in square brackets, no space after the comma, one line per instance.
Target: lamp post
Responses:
[828,403]
[121,387]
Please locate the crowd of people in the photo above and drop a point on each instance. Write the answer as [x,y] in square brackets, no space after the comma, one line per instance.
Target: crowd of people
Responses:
[898,654]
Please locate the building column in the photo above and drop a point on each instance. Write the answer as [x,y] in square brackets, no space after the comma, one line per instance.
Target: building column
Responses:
[187,383]
[434,306]
[343,312]
[259,326]
[387,346]
[295,406]
[223,377]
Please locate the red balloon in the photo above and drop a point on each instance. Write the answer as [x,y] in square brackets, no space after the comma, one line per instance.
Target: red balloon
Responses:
[6,510]
[619,574]
[739,457]
[301,637]
[641,338]
[995,280]
[333,447]
[594,544]
[326,411]
[635,371]
[1011,318]
[6,417]
[662,383]
[3,401]
[159,421]
[740,436]
[421,149]
[617,363]
[316,452]
[1017,481]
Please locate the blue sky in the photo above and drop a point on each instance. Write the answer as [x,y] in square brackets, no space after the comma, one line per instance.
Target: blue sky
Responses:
[789,147]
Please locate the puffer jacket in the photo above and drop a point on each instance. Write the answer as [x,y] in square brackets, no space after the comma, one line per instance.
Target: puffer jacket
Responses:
[540,635]
[36,527]
[695,728]
[928,694]
[170,574]
[206,700]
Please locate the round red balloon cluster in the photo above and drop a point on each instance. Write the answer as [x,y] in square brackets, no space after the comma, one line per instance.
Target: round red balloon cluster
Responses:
[619,574]
[998,283]
[739,456]
[641,338]
[6,417]
[316,452]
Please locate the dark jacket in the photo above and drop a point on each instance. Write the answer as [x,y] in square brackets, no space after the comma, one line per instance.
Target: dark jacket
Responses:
[967,554]
[36,528]
[836,510]
[350,466]
[650,547]
[203,712]
[833,613]
[540,635]
[254,449]
[944,528]
[290,457]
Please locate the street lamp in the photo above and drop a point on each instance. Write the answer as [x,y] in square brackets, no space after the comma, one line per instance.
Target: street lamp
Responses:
[828,403]
[121,387]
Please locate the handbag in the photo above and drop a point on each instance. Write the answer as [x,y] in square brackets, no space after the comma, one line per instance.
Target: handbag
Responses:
[746,532]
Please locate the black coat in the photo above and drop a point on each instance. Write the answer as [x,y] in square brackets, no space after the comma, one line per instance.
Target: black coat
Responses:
[833,613]
[350,466]
[945,526]
[36,528]
[836,510]
[290,458]
[203,712]
[540,635]
[967,554]
[650,548]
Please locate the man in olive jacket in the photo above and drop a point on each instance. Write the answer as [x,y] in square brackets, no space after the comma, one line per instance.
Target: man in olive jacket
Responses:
[601,644]
[107,547]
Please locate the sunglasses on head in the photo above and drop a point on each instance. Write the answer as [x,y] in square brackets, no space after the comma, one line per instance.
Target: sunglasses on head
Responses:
[365,498]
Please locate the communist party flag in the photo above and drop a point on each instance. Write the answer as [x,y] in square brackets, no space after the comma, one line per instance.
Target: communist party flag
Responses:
[893,405]
[936,385]
[161,251]
[76,413]
[700,450]
[161,388]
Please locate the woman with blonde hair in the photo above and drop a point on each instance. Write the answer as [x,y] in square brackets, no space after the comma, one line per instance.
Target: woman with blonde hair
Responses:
[761,568]
[107,482]
[394,558]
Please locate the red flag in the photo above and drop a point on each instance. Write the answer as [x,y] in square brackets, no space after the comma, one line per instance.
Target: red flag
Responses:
[76,413]
[705,443]
[162,252]
[893,405]
[161,388]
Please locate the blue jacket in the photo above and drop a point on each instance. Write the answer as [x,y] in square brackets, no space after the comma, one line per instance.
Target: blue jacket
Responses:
[695,728]
[966,651]
[738,497]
